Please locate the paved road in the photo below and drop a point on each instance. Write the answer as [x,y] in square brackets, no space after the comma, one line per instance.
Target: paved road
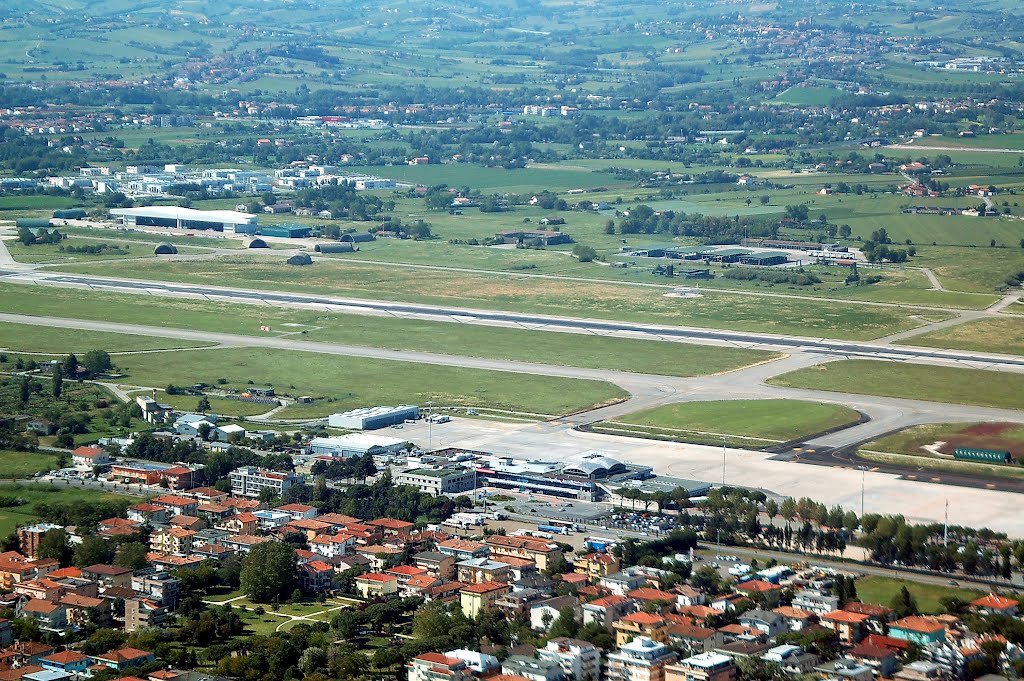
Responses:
[874,350]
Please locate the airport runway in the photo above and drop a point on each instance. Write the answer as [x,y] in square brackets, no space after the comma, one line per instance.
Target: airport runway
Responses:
[452,314]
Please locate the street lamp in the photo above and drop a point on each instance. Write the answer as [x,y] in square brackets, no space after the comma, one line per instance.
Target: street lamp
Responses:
[430,424]
[723,462]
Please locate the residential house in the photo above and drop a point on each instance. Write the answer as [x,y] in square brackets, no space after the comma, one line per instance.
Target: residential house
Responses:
[481,665]
[693,639]
[462,549]
[331,546]
[86,610]
[376,585]
[606,610]
[241,523]
[173,540]
[69,661]
[50,616]
[642,659]
[544,612]
[769,623]
[845,669]
[29,538]
[437,667]
[637,624]
[815,601]
[578,660]
[796,619]
[147,513]
[882,660]
[532,668]
[703,667]
[392,527]
[480,570]
[621,583]
[794,660]
[141,613]
[917,629]
[436,564]
[879,616]
[596,565]
[88,457]
[124,658]
[316,576]
[477,598]
[850,627]
[541,552]
[993,604]
[404,573]
[760,591]
[687,595]
[175,505]
[299,511]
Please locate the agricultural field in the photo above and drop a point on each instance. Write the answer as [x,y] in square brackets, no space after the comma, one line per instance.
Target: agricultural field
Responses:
[550,296]
[14,465]
[750,424]
[911,381]
[341,383]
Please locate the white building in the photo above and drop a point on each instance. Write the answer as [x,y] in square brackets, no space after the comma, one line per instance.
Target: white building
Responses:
[249,481]
[372,418]
[438,481]
[357,444]
[183,218]
[642,659]
[579,660]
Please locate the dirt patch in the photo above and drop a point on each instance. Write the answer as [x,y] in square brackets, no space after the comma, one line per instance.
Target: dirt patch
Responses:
[986,436]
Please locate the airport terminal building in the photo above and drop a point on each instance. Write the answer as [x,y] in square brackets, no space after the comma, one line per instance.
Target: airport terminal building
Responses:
[185,218]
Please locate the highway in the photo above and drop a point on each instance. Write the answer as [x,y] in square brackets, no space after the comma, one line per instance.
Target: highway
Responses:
[822,346]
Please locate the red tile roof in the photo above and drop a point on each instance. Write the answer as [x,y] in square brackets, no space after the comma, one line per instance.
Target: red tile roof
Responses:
[994,602]
[845,617]
[923,625]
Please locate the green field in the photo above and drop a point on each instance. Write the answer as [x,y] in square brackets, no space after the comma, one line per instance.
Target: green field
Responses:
[342,383]
[1003,335]
[34,494]
[882,591]
[911,381]
[218,405]
[56,341]
[594,352]
[746,423]
[606,300]
[25,464]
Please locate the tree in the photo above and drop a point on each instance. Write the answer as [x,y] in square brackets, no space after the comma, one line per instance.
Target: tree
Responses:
[904,603]
[25,391]
[268,572]
[204,404]
[71,366]
[92,551]
[54,544]
[96,362]
[58,381]
[131,555]
[565,625]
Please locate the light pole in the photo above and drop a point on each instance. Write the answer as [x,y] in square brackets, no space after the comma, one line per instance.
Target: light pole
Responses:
[430,424]
[863,475]
[723,462]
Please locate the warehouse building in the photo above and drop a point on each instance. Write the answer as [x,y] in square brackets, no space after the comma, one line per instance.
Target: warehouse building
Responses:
[727,255]
[764,259]
[357,444]
[286,231]
[335,247]
[438,481]
[372,418]
[184,218]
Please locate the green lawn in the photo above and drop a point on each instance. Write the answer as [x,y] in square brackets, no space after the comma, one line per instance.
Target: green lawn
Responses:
[911,381]
[57,341]
[882,590]
[218,405]
[343,383]
[607,300]
[34,494]
[756,423]
[595,352]
[999,335]
[25,464]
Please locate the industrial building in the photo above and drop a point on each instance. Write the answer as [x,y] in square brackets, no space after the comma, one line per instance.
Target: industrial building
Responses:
[184,218]
[438,481]
[286,231]
[357,444]
[578,478]
[372,418]
[765,258]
